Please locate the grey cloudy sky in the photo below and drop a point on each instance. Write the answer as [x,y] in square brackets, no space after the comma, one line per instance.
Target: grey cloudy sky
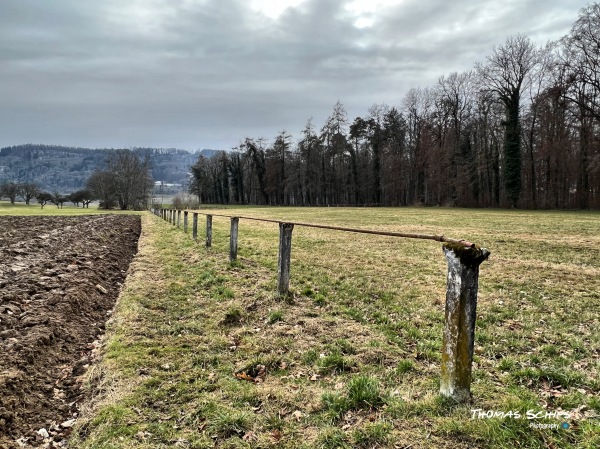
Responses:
[205,73]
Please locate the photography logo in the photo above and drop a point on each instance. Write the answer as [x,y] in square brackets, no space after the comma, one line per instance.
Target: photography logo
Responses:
[533,416]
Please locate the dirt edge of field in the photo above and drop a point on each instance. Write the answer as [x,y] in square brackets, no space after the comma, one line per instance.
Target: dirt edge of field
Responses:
[105,384]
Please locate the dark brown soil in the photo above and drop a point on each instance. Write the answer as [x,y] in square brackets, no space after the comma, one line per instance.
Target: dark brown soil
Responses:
[59,279]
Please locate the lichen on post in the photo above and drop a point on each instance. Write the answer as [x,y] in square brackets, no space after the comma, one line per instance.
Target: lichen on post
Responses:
[459,328]
[195,226]
[209,231]
[233,239]
[283,262]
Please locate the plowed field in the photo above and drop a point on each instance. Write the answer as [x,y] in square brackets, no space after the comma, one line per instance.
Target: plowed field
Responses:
[59,279]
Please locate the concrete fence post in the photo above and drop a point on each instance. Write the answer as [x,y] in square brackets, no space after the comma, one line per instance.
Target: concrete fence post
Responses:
[208,231]
[170,220]
[173,216]
[283,259]
[195,226]
[185,221]
[178,218]
[459,328]
[233,239]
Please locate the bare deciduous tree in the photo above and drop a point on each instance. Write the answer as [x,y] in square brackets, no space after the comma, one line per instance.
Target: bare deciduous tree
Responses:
[507,75]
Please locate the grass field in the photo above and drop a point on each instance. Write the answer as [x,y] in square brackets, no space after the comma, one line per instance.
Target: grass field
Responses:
[352,358]
[50,209]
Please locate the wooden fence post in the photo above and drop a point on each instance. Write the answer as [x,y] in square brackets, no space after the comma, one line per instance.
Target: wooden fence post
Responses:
[185,220]
[173,216]
[283,259]
[178,218]
[195,226]
[459,328]
[208,231]
[233,239]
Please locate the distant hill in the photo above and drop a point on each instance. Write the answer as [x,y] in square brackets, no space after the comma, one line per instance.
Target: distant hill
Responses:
[66,169]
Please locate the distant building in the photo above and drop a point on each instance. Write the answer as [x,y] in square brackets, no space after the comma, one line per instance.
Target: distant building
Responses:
[166,184]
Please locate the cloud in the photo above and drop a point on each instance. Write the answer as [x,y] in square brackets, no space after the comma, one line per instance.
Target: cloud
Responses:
[207,73]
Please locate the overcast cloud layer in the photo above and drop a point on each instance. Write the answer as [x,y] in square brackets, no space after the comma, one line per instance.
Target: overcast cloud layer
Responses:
[205,73]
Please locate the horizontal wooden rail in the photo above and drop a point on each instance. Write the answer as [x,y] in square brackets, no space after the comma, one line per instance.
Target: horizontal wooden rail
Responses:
[437,238]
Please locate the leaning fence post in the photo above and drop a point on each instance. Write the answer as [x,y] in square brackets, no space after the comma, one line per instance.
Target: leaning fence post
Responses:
[208,231]
[178,218]
[185,220]
[283,259]
[459,328]
[233,239]
[195,226]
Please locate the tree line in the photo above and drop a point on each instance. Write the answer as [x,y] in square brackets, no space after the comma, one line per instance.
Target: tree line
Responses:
[521,129]
[125,182]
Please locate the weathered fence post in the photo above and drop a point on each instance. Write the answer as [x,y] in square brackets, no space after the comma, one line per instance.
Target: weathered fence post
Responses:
[178,218]
[208,231]
[233,239]
[185,220]
[195,226]
[170,220]
[173,216]
[283,259]
[459,328]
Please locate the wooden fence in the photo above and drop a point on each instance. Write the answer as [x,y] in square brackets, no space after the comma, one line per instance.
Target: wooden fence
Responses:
[463,259]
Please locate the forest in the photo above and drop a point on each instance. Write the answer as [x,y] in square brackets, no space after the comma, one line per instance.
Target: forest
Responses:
[520,129]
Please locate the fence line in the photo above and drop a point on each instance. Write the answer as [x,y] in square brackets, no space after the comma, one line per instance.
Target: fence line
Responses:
[437,238]
[463,259]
